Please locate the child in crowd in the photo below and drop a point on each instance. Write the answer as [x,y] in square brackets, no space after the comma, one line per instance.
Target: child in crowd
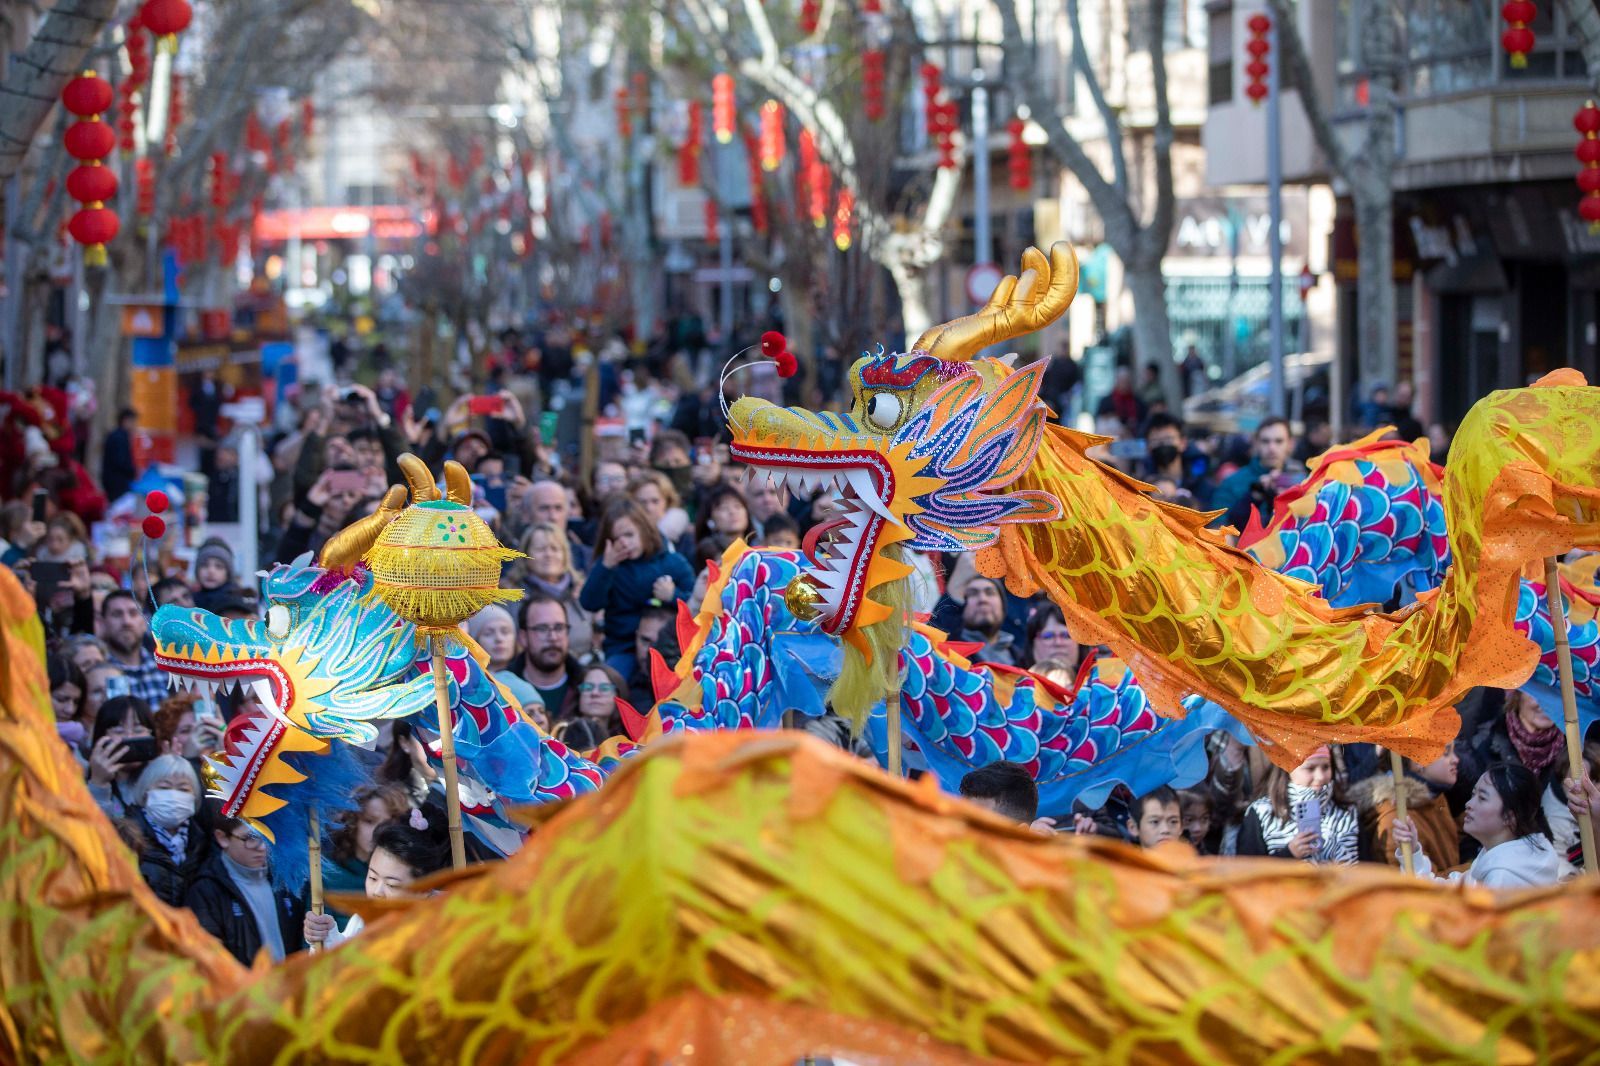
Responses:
[1303,815]
[634,569]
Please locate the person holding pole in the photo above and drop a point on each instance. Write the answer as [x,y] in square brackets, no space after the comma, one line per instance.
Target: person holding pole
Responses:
[404,850]
[1505,817]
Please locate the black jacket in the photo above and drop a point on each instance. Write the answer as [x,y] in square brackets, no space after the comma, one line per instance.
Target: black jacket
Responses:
[222,910]
[166,878]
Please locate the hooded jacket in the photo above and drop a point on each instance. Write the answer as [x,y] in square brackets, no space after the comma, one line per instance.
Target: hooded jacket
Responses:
[1437,832]
[1520,863]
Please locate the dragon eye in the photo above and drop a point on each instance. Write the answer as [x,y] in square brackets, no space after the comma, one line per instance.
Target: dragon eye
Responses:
[883,410]
[278,621]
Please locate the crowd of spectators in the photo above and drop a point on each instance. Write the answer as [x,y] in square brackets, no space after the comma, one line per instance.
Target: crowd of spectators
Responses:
[609,558]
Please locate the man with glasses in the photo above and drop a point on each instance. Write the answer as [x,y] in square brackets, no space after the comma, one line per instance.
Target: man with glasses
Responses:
[233,897]
[545,661]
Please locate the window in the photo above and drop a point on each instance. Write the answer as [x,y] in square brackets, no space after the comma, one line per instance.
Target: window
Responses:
[1219,56]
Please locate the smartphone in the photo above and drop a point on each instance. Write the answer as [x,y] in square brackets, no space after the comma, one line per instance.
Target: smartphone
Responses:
[118,686]
[40,498]
[138,750]
[547,428]
[47,578]
[636,437]
[513,465]
[486,405]
[1309,819]
[1286,481]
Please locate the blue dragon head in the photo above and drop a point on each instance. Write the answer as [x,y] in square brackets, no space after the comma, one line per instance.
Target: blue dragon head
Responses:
[326,665]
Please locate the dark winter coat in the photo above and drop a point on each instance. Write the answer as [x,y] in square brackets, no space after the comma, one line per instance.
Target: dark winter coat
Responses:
[625,592]
[221,908]
[166,878]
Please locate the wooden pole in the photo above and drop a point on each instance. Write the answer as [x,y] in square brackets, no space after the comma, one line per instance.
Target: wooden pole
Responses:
[315,847]
[447,753]
[892,721]
[1569,702]
[1398,766]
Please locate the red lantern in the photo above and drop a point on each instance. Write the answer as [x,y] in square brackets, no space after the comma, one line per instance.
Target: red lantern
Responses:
[689,150]
[1518,40]
[1257,47]
[624,113]
[145,173]
[87,94]
[810,16]
[166,19]
[308,118]
[713,222]
[1587,123]
[94,227]
[772,142]
[722,107]
[89,139]
[91,183]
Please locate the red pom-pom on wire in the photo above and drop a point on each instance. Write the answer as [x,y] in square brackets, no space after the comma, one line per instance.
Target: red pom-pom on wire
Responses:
[156,501]
[772,344]
[154,526]
[787,364]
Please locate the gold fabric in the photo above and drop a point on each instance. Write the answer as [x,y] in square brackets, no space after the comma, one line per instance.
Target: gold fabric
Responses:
[1189,614]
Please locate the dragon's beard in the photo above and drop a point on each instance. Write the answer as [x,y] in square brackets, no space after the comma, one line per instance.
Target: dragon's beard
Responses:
[865,680]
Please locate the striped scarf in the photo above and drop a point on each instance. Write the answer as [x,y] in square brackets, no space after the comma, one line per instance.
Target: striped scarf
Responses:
[1339,827]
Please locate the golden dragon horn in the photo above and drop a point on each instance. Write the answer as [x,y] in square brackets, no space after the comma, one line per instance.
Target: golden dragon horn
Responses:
[419,477]
[346,547]
[457,485]
[1020,305]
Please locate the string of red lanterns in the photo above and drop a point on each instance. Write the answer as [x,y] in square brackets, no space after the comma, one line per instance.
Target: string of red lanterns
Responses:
[1587,123]
[843,216]
[772,140]
[1518,39]
[89,140]
[1257,46]
[872,80]
[941,115]
[810,16]
[1018,163]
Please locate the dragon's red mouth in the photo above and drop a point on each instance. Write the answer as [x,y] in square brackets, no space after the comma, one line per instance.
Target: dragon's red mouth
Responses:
[840,549]
[253,736]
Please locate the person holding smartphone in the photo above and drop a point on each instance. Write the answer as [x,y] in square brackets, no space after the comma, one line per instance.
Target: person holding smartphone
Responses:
[122,743]
[1302,814]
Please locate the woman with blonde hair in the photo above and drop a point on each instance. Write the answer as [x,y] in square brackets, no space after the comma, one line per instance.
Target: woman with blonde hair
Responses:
[549,569]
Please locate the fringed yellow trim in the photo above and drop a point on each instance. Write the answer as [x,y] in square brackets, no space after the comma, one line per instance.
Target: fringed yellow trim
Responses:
[439,609]
[862,684]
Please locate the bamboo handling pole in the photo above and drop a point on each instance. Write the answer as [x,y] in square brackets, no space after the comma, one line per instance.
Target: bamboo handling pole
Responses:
[1569,702]
[1398,766]
[447,753]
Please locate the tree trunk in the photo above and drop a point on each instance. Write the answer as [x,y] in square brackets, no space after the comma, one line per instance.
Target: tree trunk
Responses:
[1152,329]
[35,78]
[911,283]
[1376,358]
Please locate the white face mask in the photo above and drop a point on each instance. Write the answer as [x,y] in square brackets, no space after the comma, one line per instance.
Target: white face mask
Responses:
[168,807]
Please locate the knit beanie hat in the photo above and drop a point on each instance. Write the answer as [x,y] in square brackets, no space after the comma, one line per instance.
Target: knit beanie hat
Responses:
[215,549]
[480,621]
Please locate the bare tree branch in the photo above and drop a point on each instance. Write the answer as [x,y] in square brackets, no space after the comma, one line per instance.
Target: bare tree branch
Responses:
[37,76]
[1108,117]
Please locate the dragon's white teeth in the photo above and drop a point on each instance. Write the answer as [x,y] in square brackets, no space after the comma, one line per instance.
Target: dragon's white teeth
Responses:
[263,692]
[861,482]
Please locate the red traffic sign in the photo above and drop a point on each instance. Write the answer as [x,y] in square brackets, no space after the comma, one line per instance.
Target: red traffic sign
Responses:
[1308,281]
[982,280]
